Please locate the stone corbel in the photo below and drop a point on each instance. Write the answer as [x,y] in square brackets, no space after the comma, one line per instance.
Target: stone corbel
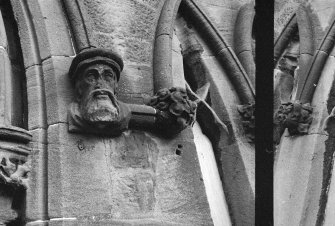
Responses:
[296,117]
[247,112]
[95,74]
[167,113]
[175,111]
[13,172]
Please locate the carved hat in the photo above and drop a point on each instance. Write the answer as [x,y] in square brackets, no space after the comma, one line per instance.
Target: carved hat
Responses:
[92,56]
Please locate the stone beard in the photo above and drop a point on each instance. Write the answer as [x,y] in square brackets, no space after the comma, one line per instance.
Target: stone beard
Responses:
[100,106]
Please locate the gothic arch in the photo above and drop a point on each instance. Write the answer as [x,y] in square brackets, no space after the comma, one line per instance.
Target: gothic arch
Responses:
[14,135]
[243,39]
[306,156]
[42,52]
[241,209]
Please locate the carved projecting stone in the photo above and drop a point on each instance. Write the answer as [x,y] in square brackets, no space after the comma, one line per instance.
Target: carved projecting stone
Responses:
[247,112]
[176,110]
[296,117]
[95,74]
[13,172]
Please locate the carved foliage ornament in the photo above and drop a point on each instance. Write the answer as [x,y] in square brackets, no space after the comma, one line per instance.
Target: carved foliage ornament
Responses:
[296,117]
[248,119]
[13,172]
[176,110]
[95,74]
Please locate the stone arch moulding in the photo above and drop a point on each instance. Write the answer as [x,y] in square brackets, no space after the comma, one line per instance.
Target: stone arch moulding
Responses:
[308,84]
[243,41]
[310,196]
[299,27]
[77,25]
[311,66]
[14,136]
[43,53]
[299,22]
[240,208]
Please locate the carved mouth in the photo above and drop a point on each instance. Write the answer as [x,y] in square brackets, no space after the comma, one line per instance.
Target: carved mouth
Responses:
[102,94]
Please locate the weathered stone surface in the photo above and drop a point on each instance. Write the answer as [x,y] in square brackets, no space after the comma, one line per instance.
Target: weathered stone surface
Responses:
[135,175]
[38,16]
[36,196]
[247,112]
[178,79]
[296,117]
[35,90]
[283,12]
[6,200]
[297,177]
[135,79]
[136,178]
[223,14]
[46,20]
[58,90]
[210,175]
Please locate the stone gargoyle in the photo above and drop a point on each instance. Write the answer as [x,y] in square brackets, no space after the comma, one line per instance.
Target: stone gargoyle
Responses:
[95,74]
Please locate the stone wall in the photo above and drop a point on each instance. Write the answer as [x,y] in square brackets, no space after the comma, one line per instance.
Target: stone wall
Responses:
[138,177]
[303,165]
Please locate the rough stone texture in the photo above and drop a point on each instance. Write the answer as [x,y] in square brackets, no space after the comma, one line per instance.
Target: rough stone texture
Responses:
[295,161]
[35,196]
[283,11]
[49,23]
[58,90]
[178,79]
[224,101]
[110,26]
[34,89]
[136,176]
[303,166]
[223,14]
[211,177]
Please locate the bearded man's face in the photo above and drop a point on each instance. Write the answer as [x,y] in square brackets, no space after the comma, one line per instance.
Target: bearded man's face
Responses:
[95,89]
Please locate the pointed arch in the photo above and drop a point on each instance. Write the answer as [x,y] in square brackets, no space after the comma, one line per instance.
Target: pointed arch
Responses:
[243,41]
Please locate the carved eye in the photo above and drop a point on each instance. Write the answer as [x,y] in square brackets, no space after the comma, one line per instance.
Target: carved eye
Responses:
[109,76]
[90,77]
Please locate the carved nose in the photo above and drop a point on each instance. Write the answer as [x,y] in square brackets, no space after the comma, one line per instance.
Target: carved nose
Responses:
[99,83]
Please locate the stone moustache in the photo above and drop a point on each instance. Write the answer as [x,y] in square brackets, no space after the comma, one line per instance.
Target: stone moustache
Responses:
[95,74]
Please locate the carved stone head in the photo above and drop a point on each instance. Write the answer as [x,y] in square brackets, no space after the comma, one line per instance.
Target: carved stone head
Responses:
[94,74]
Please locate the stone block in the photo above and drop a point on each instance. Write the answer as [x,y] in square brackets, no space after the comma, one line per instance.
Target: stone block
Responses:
[297,177]
[58,88]
[50,25]
[178,79]
[135,175]
[138,51]
[36,99]
[152,3]
[45,18]
[320,97]
[37,187]
[3,36]
[26,32]
[135,79]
